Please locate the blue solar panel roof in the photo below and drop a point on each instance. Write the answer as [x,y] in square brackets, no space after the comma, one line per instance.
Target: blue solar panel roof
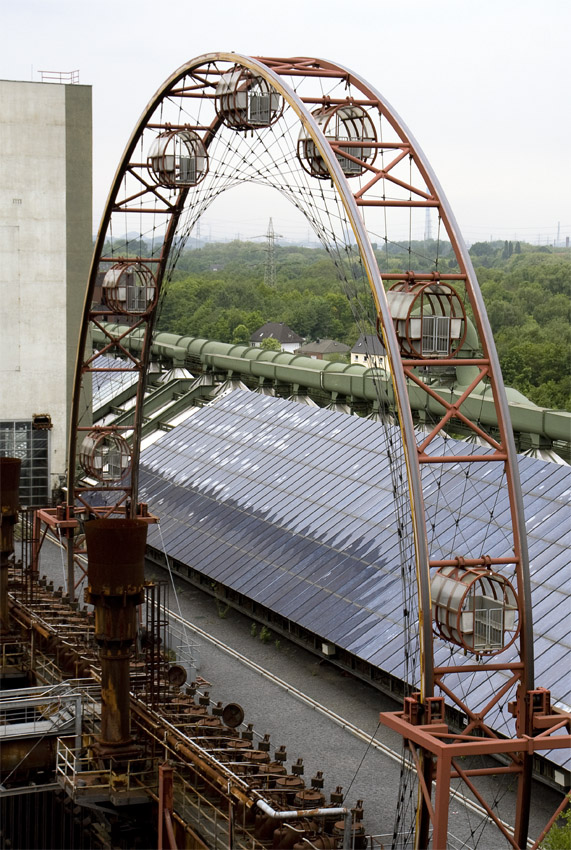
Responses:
[107,385]
[293,507]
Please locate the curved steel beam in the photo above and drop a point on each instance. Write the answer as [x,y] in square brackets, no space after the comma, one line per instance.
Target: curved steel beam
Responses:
[274,71]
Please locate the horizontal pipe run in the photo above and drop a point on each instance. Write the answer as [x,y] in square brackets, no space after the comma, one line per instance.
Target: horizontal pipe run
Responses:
[301,813]
[311,813]
[350,380]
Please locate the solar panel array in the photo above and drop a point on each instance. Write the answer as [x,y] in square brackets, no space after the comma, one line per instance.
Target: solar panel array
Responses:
[293,507]
[107,385]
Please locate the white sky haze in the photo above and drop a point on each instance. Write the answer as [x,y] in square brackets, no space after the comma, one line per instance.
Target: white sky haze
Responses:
[483,86]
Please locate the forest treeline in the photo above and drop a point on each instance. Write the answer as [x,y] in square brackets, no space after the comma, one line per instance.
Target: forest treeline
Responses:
[218,292]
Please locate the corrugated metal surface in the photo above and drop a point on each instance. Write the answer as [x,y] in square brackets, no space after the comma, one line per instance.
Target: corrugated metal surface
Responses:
[293,507]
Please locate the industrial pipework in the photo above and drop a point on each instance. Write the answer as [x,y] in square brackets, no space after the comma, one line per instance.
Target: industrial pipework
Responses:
[349,380]
[115,574]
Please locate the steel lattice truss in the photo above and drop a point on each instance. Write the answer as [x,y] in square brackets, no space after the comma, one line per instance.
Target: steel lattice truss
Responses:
[331,144]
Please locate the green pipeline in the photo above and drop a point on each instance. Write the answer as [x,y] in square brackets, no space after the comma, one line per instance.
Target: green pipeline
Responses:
[350,380]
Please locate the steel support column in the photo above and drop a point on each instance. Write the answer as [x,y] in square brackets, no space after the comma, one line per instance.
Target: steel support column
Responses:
[116,553]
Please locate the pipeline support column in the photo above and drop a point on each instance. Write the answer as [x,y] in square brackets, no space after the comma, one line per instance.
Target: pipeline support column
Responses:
[115,573]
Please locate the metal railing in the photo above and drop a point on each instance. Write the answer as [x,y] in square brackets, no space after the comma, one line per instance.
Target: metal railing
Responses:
[13,656]
[82,777]
[46,669]
[209,819]
[39,711]
[60,77]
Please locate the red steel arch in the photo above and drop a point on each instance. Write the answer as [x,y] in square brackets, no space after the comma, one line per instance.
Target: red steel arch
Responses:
[206,83]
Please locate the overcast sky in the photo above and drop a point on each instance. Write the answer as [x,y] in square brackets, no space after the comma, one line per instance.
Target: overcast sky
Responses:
[484,85]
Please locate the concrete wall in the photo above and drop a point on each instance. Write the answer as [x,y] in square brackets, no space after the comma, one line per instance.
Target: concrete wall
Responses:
[45,249]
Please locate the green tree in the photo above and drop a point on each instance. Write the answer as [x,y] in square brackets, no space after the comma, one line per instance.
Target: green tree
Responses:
[559,836]
[270,344]
[241,335]
[218,290]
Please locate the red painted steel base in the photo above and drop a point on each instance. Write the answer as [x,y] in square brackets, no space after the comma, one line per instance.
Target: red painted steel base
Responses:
[434,743]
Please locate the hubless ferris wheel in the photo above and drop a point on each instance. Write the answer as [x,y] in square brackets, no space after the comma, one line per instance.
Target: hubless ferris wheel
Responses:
[332,145]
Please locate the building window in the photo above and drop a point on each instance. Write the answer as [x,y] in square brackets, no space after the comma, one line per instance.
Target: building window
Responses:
[21,440]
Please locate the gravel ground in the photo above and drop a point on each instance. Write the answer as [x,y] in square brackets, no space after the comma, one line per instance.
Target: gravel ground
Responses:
[364,773]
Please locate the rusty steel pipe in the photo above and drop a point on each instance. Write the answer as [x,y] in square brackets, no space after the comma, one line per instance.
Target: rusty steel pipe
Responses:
[165,806]
[311,813]
[115,575]
[9,504]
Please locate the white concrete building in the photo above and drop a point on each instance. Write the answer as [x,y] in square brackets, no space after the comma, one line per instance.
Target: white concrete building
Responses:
[45,250]
[369,351]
